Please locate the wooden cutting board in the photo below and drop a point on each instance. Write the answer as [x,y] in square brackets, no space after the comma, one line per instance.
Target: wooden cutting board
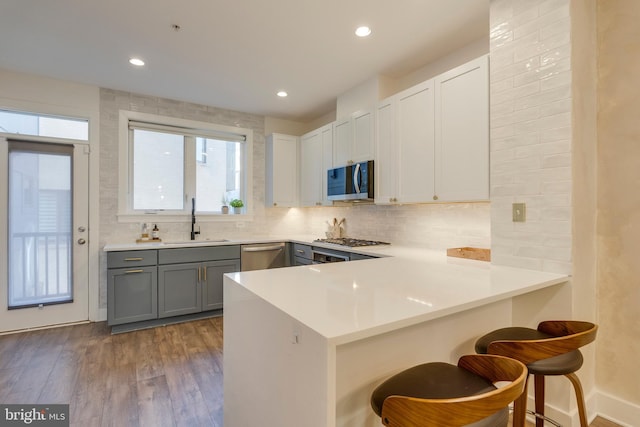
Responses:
[479,254]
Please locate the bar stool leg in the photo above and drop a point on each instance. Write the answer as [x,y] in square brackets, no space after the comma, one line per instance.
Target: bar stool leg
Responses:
[539,396]
[579,397]
[520,407]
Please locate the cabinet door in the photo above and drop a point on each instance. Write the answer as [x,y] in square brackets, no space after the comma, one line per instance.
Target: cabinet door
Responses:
[179,289]
[326,136]
[415,135]
[212,282]
[385,164]
[363,137]
[342,140]
[462,132]
[132,294]
[311,169]
[281,171]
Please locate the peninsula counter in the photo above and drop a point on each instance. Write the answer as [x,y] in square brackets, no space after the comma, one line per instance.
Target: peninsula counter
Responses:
[305,346]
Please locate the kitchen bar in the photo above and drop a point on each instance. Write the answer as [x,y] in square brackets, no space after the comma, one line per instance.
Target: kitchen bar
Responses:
[317,339]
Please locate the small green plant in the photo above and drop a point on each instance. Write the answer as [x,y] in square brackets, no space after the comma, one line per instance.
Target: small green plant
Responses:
[236,203]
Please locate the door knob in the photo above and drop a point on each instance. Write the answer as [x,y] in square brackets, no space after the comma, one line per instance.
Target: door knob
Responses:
[81,241]
[82,229]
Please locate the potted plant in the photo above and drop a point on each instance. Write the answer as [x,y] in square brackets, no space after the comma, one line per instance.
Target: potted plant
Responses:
[225,208]
[237,205]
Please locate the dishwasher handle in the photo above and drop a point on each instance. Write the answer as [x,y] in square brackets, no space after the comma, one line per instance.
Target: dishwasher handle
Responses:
[262,248]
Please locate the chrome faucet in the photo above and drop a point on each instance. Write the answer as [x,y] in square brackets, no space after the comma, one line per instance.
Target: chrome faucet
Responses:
[193,219]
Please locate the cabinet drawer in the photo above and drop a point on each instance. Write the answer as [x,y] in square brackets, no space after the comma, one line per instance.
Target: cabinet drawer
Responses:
[132,258]
[301,261]
[211,253]
[302,251]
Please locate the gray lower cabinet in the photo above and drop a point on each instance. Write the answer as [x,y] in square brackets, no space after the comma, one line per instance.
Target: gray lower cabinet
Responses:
[302,254]
[212,284]
[151,284]
[356,257]
[132,294]
[192,287]
[179,289]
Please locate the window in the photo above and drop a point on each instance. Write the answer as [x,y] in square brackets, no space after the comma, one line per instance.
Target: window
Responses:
[158,175]
[171,161]
[41,125]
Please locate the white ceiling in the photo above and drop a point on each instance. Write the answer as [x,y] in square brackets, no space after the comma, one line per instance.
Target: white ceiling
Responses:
[235,54]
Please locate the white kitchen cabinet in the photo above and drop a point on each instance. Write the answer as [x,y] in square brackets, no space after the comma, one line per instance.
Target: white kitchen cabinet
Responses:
[354,139]
[405,148]
[315,159]
[342,140]
[462,133]
[432,139]
[311,169]
[281,171]
[386,166]
[415,143]
[326,133]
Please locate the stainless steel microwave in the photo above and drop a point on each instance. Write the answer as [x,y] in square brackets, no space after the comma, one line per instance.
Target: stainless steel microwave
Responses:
[353,182]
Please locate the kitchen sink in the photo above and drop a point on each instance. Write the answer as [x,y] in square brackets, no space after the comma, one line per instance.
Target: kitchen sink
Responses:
[196,242]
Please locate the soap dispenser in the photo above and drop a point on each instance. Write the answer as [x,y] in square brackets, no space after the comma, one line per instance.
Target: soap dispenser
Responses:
[155,233]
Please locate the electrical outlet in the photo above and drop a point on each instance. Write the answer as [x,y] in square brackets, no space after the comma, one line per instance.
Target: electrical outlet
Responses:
[519,212]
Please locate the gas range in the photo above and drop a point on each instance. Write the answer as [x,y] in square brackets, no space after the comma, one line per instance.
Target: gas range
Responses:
[347,241]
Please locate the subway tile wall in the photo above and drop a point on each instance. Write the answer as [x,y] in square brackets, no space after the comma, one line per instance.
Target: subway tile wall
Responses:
[433,226]
[530,113]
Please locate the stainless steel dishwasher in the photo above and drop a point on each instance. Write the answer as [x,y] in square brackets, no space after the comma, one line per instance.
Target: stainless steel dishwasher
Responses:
[261,256]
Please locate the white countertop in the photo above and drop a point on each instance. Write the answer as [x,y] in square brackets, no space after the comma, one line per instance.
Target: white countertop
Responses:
[348,301]
[345,302]
[380,251]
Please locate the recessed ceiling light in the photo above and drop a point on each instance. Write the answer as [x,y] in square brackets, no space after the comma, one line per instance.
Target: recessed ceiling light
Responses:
[136,61]
[363,31]
[282,94]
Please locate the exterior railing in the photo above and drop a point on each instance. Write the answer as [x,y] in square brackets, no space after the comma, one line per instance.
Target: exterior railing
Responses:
[40,268]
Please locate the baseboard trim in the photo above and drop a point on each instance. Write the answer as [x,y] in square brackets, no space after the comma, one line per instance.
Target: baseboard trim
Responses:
[102,315]
[617,410]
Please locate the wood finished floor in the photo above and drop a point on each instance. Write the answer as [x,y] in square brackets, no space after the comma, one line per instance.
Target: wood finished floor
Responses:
[167,376]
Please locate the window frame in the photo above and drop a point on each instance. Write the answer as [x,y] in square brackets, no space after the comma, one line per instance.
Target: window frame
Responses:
[126,213]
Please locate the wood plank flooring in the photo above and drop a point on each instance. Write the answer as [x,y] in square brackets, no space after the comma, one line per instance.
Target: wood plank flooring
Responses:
[167,376]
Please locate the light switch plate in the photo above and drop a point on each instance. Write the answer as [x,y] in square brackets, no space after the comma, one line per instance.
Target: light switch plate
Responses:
[519,212]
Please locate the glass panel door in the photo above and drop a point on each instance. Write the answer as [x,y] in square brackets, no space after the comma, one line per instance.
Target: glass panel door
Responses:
[40,221]
[46,193]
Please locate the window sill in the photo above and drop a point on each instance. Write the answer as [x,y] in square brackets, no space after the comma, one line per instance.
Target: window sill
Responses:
[167,218]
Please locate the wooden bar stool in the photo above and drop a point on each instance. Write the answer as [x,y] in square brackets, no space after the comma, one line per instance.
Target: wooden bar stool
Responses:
[445,395]
[551,349]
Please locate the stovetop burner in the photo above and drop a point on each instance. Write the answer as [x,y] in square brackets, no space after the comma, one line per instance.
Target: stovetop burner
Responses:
[347,241]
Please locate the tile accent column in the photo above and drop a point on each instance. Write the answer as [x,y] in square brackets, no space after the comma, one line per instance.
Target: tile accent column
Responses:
[530,63]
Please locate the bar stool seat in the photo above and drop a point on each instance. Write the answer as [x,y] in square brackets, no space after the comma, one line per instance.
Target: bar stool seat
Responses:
[557,365]
[551,349]
[442,394]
